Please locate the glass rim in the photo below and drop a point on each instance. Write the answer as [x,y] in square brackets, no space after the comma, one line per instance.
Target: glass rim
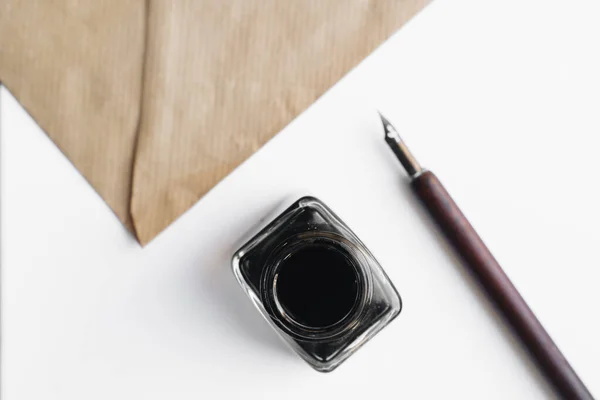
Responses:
[359,261]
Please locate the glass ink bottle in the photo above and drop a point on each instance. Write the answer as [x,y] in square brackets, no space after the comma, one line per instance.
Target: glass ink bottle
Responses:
[316,283]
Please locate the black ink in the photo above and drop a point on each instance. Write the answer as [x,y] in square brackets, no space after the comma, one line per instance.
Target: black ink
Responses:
[317,286]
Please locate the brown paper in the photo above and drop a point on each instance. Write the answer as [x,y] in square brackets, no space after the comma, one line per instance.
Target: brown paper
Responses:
[76,68]
[156,102]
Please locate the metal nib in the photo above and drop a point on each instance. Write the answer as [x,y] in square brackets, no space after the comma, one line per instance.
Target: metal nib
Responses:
[393,139]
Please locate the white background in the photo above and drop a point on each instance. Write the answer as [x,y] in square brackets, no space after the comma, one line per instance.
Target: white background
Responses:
[500,98]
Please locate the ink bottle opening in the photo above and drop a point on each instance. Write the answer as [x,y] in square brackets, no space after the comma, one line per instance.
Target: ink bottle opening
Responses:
[316,283]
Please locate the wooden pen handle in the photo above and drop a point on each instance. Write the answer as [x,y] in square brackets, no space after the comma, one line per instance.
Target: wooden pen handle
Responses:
[499,288]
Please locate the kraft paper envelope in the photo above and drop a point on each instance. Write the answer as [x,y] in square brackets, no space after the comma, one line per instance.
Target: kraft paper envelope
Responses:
[156,101]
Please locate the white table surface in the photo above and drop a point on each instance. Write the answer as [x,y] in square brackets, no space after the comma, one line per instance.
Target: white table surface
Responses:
[500,98]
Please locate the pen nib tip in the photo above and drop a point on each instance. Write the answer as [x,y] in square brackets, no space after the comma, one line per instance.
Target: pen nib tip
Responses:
[385,122]
[399,148]
[388,128]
